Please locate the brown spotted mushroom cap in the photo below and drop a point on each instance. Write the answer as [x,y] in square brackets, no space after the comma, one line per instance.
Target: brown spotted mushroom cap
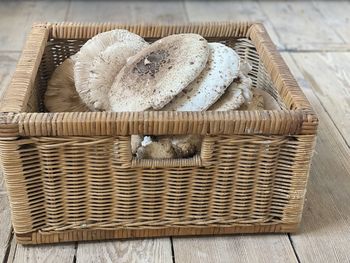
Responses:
[96,65]
[155,75]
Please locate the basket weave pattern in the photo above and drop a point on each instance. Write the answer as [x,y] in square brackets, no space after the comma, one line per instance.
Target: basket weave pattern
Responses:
[71,176]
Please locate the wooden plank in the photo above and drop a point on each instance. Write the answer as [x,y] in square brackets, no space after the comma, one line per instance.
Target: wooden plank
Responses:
[44,253]
[337,16]
[12,251]
[142,250]
[325,230]
[329,74]
[99,11]
[16,18]
[158,11]
[300,26]
[7,67]
[230,10]
[5,226]
[126,11]
[242,248]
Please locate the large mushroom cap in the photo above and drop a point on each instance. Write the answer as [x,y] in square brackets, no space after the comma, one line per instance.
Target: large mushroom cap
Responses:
[61,95]
[90,51]
[104,69]
[221,69]
[155,75]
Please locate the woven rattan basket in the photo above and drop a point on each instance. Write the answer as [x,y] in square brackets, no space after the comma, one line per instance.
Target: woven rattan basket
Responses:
[71,176]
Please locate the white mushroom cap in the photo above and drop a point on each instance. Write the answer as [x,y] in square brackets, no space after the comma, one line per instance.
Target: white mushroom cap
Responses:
[61,95]
[104,69]
[221,69]
[155,75]
[236,94]
[91,50]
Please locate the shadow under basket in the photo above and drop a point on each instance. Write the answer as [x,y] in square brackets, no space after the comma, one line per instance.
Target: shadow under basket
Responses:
[71,176]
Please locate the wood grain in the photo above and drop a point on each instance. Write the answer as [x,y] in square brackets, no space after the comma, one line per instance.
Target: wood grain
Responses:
[99,11]
[45,253]
[329,74]
[242,248]
[230,10]
[16,18]
[325,231]
[300,26]
[146,250]
[12,251]
[337,16]
[158,11]
[127,11]
[5,226]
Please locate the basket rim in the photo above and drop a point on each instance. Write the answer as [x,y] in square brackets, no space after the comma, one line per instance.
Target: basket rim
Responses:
[14,121]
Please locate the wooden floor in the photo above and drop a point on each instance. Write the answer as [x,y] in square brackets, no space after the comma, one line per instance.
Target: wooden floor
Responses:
[314,38]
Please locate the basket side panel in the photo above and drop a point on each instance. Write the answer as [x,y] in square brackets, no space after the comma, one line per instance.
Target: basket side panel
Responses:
[294,163]
[72,183]
[22,170]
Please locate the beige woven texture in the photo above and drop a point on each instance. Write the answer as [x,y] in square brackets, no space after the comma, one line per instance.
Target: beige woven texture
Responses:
[71,176]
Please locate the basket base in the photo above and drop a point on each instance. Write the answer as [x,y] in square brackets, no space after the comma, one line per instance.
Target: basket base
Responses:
[86,235]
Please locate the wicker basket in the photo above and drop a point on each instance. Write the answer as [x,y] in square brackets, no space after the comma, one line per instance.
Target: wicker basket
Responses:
[71,176]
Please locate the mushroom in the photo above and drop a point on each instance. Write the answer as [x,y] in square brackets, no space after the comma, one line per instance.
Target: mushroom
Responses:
[186,146]
[156,74]
[221,69]
[237,93]
[135,142]
[106,66]
[61,95]
[98,63]
[161,149]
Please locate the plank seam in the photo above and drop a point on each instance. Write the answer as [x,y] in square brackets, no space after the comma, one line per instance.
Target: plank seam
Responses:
[75,252]
[172,250]
[293,247]
[8,248]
